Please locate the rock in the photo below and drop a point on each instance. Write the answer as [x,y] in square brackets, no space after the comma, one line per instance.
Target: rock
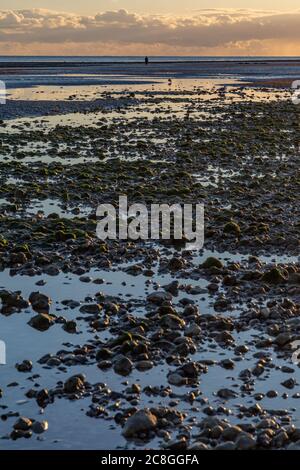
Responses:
[25,366]
[258,370]
[98,281]
[198,446]
[197,290]
[142,421]
[159,297]
[177,445]
[54,362]
[173,288]
[175,264]
[272,394]
[274,276]
[177,379]
[193,331]
[166,309]
[216,432]
[172,322]
[11,301]
[134,270]
[93,309]
[51,270]
[85,279]
[23,424]
[280,440]
[245,442]
[226,393]
[294,446]
[191,310]
[71,303]
[40,302]
[103,353]
[123,365]
[294,278]
[290,383]
[41,322]
[232,227]
[191,369]
[112,308]
[18,258]
[74,384]
[38,427]
[212,262]
[135,388]
[104,364]
[282,339]
[287,370]
[265,313]
[264,343]
[227,364]
[231,433]
[17,434]
[224,337]
[70,327]
[225,446]
[144,365]
[267,423]
[43,398]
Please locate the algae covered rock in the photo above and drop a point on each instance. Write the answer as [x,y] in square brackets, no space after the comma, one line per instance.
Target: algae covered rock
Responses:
[233,228]
[274,276]
[212,262]
[172,321]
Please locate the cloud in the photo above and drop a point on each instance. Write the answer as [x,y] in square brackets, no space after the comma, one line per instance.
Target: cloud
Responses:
[204,30]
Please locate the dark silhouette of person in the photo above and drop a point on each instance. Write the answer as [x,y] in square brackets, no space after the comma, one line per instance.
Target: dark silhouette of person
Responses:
[146,60]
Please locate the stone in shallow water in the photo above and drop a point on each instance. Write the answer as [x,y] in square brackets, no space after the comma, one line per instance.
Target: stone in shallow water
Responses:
[123,365]
[91,308]
[172,321]
[212,262]
[177,379]
[245,442]
[70,326]
[40,302]
[142,421]
[25,366]
[274,276]
[226,393]
[144,365]
[73,384]
[23,424]
[41,322]
[159,297]
[290,383]
[39,427]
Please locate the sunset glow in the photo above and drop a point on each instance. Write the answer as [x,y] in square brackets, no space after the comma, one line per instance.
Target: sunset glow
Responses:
[132,28]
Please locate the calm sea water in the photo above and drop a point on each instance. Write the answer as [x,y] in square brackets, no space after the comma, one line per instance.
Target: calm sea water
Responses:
[120,59]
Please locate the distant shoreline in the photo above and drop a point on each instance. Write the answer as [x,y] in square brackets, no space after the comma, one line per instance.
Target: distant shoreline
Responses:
[260,72]
[77,63]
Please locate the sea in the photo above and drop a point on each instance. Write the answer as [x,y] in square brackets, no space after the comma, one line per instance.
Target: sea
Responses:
[134,59]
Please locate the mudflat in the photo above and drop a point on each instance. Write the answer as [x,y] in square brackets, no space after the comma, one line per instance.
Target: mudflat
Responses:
[114,344]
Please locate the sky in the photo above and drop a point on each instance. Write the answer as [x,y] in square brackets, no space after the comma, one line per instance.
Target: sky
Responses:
[150,27]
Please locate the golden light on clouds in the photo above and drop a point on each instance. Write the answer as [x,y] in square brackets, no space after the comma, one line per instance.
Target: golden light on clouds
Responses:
[205,32]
